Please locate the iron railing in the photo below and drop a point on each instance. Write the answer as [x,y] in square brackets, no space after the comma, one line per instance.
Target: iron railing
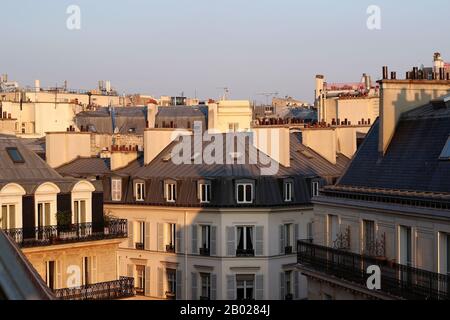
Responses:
[53,235]
[396,280]
[118,289]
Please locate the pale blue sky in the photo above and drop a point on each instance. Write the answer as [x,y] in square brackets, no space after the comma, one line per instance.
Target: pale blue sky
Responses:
[168,46]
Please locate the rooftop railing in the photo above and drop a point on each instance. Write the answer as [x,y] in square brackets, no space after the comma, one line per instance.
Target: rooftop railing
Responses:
[397,280]
[62,234]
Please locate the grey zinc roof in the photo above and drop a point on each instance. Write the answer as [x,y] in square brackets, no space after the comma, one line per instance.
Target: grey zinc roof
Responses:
[411,162]
[82,167]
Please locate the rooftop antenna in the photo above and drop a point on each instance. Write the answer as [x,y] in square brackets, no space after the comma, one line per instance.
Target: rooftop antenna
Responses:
[268,95]
[226,91]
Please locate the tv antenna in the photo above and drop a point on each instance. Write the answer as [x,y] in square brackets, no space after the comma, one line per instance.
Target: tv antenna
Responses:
[226,91]
[268,95]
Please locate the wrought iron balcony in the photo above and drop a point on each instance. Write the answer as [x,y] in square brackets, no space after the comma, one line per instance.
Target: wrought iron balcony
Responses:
[170,248]
[396,280]
[376,247]
[288,250]
[204,252]
[62,234]
[245,252]
[139,246]
[118,289]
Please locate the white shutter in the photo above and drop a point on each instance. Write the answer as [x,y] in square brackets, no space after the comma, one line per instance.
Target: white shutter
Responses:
[147,281]
[259,287]
[194,243]
[130,234]
[282,244]
[194,286]
[297,285]
[179,283]
[59,281]
[179,238]
[213,287]
[231,287]
[130,271]
[147,236]
[160,283]
[94,269]
[161,237]
[296,236]
[213,249]
[282,284]
[231,247]
[259,241]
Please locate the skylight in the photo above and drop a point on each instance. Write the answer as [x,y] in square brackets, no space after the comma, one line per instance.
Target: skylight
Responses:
[15,155]
[445,155]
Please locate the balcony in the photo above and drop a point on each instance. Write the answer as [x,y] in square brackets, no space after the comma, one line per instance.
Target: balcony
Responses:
[170,248]
[204,252]
[139,246]
[288,250]
[245,253]
[170,295]
[63,234]
[396,280]
[122,288]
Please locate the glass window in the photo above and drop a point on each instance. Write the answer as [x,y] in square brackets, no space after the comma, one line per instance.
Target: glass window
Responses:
[245,287]
[288,235]
[245,240]
[288,191]
[206,286]
[288,283]
[171,281]
[140,279]
[116,189]
[139,191]
[205,193]
[315,189]
[140,235]
[205,236]
[244,193]
[445,155]
[8,217]
[369,236]
[15,155]
[170,192]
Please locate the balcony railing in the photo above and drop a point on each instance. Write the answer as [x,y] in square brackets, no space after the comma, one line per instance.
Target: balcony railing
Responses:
[170,248]
[53,235]
[118,289]
[245,252]
[396,279]
[205,252]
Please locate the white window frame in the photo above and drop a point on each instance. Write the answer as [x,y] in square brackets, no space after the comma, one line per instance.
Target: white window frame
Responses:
[207,193]
[170,191]
[314,189]
[245,200]
[288,235]
[116,189]
[288,187]
[244,230]
[8,216]
[139,191]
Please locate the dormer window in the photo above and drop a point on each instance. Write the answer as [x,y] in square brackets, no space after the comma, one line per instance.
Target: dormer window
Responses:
[170,191]
[445,155]
[288,188]
[315,188]
[139,191]
[116,189]
[244,193]
[15,155]
[204,191]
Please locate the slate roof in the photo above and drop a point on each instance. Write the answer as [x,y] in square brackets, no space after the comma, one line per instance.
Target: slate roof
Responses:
[85,167]
[306,165]
[411,162]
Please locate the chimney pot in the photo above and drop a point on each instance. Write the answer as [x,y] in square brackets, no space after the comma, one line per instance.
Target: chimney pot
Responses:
[385,72]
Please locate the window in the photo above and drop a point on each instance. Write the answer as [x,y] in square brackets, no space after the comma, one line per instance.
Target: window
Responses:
[288,285]
[288,191]
[8,217]
[139,191]
[315,189]
[205,193]
[369,236]
[245,241]
[43,214]
[79,211]
[245,287]
[50,274]
[140,280]
[170,240]
[170,192]
[116,189]
[244,193]
[405,246]
[233,127]
[205,240]
[140,235]
[445,155]
[206,286]
[15,155]
[171,283]
[333,229]
[288,238]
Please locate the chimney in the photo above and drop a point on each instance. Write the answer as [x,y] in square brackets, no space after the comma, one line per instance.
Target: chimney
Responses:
[37,85]
[156,140]
[385,72]
[152,111]
[63,147]
[399,96]
[122,158]
[322,141]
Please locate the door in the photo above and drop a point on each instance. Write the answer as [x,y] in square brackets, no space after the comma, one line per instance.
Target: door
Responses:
[50,274]
[43,222]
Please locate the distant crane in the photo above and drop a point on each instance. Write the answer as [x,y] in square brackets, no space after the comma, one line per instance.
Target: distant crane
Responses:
[226,91]
[268,95]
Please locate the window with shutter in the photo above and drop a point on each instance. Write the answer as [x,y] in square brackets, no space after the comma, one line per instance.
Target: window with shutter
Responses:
[116,189]
[231,287]
[194,295]
[213,287]
[213,240]
[231,247]
[147,282]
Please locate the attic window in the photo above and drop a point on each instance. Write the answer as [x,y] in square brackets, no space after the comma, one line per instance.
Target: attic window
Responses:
[15,155]
[445,155]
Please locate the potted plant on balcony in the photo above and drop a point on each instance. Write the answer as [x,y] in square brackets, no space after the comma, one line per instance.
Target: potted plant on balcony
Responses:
[64,220]
[107,218]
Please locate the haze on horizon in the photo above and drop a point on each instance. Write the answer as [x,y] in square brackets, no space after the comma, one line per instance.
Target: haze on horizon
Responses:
[165,47]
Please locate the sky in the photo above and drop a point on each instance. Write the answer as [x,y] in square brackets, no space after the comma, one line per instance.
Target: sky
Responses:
[197,47]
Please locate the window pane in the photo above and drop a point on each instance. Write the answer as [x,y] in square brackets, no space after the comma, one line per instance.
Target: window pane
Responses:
[15,155]
[241,193]
[240,231]
[249,238]
[248,193]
